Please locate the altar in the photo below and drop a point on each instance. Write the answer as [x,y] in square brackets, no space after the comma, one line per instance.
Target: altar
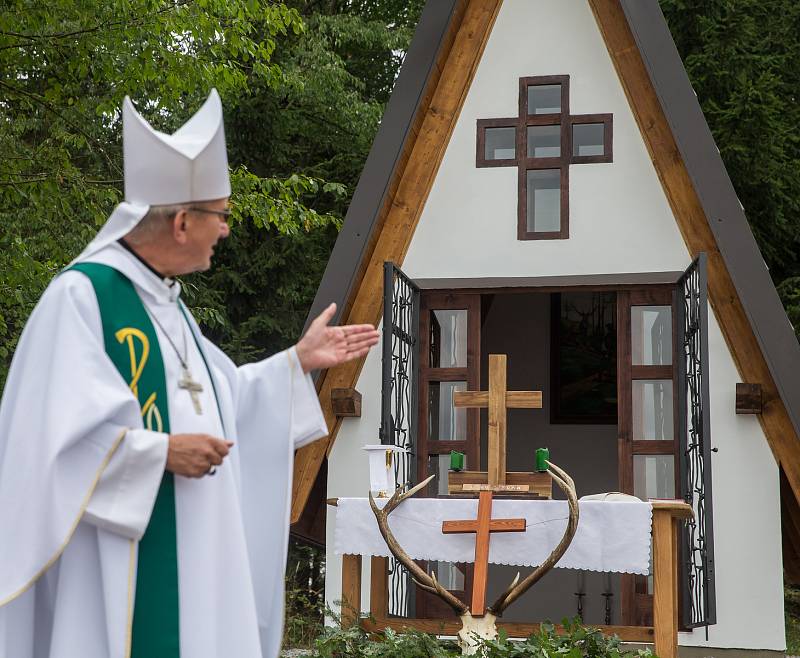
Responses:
[501,517]
[664,528]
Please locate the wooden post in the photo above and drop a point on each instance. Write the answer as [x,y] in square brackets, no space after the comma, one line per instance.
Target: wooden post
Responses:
[665,575]
[379,587]
[351,590]
[497,419]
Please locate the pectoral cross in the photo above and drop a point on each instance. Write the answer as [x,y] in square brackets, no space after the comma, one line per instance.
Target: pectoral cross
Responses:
[193,387]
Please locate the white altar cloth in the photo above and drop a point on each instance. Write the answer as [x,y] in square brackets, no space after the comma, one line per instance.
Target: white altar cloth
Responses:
[611,536]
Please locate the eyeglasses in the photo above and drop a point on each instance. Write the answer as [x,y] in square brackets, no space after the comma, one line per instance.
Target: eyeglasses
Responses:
[225,214]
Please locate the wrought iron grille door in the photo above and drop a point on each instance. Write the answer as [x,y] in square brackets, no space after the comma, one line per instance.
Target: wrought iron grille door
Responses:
[697,545]
[399,401]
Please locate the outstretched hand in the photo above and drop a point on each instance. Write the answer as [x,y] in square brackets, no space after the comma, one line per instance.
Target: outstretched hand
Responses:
[325,347]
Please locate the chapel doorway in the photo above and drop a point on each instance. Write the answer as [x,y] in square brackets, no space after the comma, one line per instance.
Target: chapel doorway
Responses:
[561,343]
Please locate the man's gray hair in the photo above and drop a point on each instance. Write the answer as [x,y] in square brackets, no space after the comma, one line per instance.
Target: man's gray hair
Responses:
[153,224]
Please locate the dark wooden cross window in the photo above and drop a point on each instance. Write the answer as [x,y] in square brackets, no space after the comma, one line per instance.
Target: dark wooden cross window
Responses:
[542,142]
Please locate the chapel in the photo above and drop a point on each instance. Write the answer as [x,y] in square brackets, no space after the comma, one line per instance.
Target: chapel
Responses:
[544,186]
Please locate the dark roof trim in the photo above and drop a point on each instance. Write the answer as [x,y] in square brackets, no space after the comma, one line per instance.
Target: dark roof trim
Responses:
[341,273]
[722,207]
[571,281]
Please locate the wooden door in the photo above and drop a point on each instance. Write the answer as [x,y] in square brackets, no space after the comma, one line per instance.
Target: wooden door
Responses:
[449,361]
[647,381]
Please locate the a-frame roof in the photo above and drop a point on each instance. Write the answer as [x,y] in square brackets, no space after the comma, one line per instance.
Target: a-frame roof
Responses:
[409,146]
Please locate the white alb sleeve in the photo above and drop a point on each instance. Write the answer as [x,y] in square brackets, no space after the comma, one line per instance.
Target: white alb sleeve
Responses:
[308,422]
[123,499]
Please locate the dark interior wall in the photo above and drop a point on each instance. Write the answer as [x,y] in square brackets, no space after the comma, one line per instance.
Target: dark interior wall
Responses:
[519,325]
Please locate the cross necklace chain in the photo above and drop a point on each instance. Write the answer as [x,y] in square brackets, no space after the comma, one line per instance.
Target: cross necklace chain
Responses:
[186,382]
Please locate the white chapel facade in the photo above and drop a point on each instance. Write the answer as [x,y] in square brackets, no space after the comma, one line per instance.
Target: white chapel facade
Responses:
[549,232]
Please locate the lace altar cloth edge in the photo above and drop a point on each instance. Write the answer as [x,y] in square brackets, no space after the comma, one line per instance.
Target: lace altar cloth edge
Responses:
[612,536]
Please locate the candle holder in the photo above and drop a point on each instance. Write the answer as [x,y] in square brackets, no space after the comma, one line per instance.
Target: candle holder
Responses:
[381,468]
[542,457]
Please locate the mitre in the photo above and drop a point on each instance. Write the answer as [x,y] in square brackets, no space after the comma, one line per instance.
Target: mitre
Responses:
[189,165]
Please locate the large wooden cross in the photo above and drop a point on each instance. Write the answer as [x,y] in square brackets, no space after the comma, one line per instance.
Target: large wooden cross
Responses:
[482,527]
[498,399]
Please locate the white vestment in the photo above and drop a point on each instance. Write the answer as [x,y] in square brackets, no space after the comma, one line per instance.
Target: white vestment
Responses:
[79,476]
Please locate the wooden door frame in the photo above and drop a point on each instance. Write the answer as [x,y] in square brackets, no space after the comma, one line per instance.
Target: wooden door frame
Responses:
[428,605]
[636,607]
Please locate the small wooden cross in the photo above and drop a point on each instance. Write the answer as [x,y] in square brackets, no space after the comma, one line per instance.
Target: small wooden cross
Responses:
[194,388]
[482,527]
[498,400]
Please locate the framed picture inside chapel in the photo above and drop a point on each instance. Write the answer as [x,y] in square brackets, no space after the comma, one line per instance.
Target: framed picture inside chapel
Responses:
[583,361]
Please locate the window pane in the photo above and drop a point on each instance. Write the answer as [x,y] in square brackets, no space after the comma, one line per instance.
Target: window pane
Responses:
[654,476]
[544,99]
[439,465]
[448,339]
[500,144]
[544,200]
[651,335]
[587,139]
[448,574]
[445,422]
[652,410]
[544,141]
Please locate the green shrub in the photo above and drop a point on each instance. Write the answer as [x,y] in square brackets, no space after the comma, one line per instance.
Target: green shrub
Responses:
[575,642]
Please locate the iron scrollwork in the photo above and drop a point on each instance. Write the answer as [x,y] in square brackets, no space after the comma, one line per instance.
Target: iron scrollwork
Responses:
[399,401]
[697,558]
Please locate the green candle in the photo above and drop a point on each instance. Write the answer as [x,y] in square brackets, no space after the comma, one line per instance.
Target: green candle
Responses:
[542,457]
[456,460]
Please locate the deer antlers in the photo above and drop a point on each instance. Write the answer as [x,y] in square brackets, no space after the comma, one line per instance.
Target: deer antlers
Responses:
[422,579]
[517,588]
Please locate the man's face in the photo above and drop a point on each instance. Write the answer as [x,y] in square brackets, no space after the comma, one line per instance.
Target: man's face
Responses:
[206,225]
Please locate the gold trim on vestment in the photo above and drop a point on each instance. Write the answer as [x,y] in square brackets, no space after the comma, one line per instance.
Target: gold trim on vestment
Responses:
[71,532]
[129,618]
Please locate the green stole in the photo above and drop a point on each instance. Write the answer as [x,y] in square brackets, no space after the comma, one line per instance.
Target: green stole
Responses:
[132,345]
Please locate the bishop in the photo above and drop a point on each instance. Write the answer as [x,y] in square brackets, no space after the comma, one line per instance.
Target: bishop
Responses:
[122,544]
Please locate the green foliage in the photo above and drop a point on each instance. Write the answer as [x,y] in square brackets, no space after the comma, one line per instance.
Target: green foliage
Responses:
[743,59]
[64,69]
[575,642]
[792,614]
[317,124]
[305,595]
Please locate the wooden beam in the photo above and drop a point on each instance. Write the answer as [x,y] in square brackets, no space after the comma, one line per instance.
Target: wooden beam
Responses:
[495,525]
[540,484]
[346,402]
[749,398]
[439,111]
[514,630]
[351,590]
[514,399]
[697,234]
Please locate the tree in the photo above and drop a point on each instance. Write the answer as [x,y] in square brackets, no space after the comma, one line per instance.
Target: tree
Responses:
[319,120]
[65,67]
[743,59]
